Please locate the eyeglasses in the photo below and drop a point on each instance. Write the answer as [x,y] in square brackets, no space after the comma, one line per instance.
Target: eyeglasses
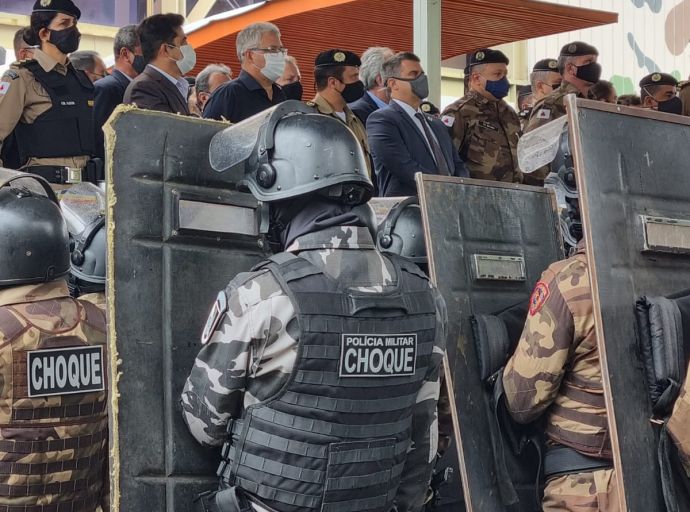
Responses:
[272,50]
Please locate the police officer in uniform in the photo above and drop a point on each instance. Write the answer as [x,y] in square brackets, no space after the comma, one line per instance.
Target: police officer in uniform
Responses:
[485,129]
[555,372]
[577,64]
[658,91]
[544,78]
[336,74]
[319,417]
[54,435]
[48,103]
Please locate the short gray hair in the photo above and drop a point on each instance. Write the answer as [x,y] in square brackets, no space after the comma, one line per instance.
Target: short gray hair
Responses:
[204,76]
[538,76]
[84,60]
[250,37]
[563,61]
[372,62]
[126,37]
[391,67]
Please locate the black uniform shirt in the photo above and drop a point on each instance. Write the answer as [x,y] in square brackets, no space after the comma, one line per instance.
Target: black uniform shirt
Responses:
[239,99]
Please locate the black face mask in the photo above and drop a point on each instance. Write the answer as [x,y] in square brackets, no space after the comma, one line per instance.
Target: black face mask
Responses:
[65,40]
[353,91]
[293,91]
[589,72]
[671,106]
[139,64]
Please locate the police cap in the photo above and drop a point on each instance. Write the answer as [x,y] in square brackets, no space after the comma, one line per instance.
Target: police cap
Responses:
[658,79]
[487,56]
[63,6]
[546,65]
[337,57]
[524,90]
[577,49]
[429,108]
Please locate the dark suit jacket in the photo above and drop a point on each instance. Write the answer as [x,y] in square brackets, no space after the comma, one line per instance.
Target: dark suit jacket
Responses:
[363,107]
[108,94]
[153,91]
[400,150]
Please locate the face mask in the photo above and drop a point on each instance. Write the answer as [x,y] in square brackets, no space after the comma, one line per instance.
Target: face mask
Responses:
[420,85]
[293,91]
[188,60]
[498,88]
[353,91]
[139,64]
[275,65]
[65,40]
[671,106]
[589,72]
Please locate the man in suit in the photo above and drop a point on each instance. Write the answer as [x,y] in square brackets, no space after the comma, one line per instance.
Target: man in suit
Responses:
[377,95]
[404,140]
[169,57]
[110,91]
[262,55]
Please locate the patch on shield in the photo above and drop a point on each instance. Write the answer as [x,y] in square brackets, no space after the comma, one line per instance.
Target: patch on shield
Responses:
[217,311]
[538,298]
[65,371]
[544,113]
[374,355]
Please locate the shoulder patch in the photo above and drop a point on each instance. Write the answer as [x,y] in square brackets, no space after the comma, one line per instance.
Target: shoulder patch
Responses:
[217,311]
[544,113]
[538,298]
[449,121]
[4,87]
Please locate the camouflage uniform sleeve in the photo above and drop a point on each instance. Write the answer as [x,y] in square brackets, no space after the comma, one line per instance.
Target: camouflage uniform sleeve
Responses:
[215,388]
[533,374]
[678,424]
[421,458]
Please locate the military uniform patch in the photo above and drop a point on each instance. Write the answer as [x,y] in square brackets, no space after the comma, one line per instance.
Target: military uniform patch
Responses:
[217,311]
[449,121]
[488,126]
[11,74]
[538,298]
[544,113]
[65,371]
[4,87]
[374,355]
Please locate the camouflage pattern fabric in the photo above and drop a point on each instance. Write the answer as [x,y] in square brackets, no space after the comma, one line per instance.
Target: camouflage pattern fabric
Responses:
[53,449]
[353,123]
[485,133]
[253,349]
[584,492]
[97,299]
[678,425]
[551,107]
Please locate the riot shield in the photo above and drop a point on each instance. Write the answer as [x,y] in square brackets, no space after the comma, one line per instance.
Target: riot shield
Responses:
[632,174]
[178,231]
[488,243]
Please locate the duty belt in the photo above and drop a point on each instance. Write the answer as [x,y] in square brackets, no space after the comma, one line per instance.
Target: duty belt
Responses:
[61,175]
[561,460]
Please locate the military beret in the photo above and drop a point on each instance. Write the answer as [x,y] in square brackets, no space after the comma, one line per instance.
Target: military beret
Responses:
[577,49]
[337,57]
[487,56]
[546,65]
[658,79]
[524,90]
[429,108]
[63,6]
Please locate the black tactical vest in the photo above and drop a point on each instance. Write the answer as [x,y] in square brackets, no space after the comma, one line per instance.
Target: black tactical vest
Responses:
[335,438]
[66,129]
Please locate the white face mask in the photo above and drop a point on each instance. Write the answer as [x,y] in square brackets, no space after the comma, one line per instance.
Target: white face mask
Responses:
[275,65]
[188,61]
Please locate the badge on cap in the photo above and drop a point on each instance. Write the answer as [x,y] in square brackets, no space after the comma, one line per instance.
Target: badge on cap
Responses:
[4,87]
[46,3]
[425,108]
[479,56]
[572,48]
[339,57]
[553,64]
[656,77]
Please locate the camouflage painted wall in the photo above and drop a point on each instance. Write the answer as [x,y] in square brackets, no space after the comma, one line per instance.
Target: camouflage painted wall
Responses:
[651,35]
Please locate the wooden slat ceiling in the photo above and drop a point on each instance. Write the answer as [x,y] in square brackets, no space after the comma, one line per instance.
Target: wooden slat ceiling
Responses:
[309,27]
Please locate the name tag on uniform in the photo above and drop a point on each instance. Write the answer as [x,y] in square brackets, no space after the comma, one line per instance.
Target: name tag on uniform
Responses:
[373,355]
[68,103]
[65,371]
[488,126]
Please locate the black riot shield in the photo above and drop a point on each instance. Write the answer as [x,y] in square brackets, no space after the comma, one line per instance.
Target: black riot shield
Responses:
[488,243]
[178,232]
[632,173]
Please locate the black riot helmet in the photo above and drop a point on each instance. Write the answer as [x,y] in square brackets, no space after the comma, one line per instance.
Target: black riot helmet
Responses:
[83,207]
[290,151]
[402,232]
[34,242]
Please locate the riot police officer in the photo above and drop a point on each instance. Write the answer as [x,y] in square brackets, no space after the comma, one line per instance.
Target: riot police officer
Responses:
[47,103]
[53,441]
[314,414]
